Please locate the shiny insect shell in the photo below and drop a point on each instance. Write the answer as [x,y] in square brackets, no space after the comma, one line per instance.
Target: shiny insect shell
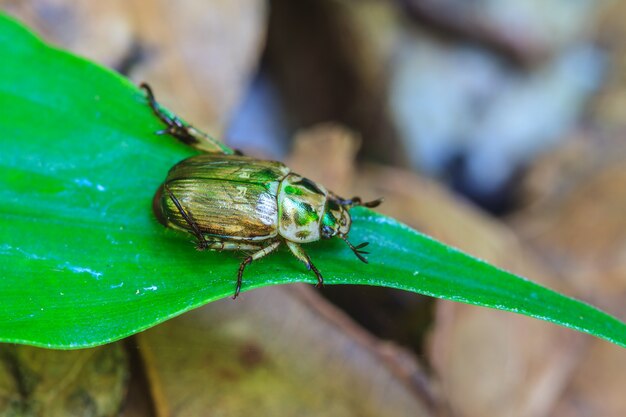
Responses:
[242,199]
[232,202]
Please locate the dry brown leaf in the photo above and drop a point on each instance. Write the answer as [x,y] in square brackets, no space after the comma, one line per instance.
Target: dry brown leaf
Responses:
[609,109]
[43,382]
[597,388]
[202,54]
[326,153]
[274,352]
[577,223]
[331,66]
[527,30]
[198,55]
[101,31]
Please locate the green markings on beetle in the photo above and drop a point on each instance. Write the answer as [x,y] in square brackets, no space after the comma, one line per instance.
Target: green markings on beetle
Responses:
[291,190]
[311,186]
[305,214]
[267,175]
[329,219]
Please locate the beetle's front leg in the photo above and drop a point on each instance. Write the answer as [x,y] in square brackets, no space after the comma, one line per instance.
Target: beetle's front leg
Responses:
[182,131]
[301,254]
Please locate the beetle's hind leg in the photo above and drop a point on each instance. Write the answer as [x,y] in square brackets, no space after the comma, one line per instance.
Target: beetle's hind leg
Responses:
[202,243]
[182,131]
[301,254]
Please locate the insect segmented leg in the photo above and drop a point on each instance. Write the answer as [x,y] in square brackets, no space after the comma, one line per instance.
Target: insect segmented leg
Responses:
[202,243]
[358,249]
[256,255]
[301,254]
[224,245]
[182,131]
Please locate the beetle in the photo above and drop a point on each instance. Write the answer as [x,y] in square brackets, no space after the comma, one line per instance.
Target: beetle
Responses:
[229,201]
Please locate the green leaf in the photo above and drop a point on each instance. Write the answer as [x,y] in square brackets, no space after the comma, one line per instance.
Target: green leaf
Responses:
[83,261]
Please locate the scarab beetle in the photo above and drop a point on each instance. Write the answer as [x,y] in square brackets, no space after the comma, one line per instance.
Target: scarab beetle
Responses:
[232,202]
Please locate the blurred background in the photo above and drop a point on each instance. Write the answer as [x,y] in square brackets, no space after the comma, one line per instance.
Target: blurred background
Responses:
[496,127]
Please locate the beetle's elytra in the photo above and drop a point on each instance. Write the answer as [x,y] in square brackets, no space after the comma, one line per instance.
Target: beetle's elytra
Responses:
[232,202]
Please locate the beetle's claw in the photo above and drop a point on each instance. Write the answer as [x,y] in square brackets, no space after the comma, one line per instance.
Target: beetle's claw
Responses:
[360,253]
[361,257]
[318,274]
[201,244]
[237,290]
[357,249]
[234,297]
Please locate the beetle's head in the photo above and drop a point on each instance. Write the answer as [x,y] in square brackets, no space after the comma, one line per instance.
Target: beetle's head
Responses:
[337,220]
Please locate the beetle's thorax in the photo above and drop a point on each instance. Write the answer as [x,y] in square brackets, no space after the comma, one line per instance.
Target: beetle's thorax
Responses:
[301,205]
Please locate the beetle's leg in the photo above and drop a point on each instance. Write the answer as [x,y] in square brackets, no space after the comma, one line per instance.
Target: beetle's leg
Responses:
[202,243]
[221,245]
[301,254]
[356,249]
[256,255]
[182,131]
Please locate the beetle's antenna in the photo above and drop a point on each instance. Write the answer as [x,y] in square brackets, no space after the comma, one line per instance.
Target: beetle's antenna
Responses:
[356,201]
[202,243]
[373,203]
[357,249]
